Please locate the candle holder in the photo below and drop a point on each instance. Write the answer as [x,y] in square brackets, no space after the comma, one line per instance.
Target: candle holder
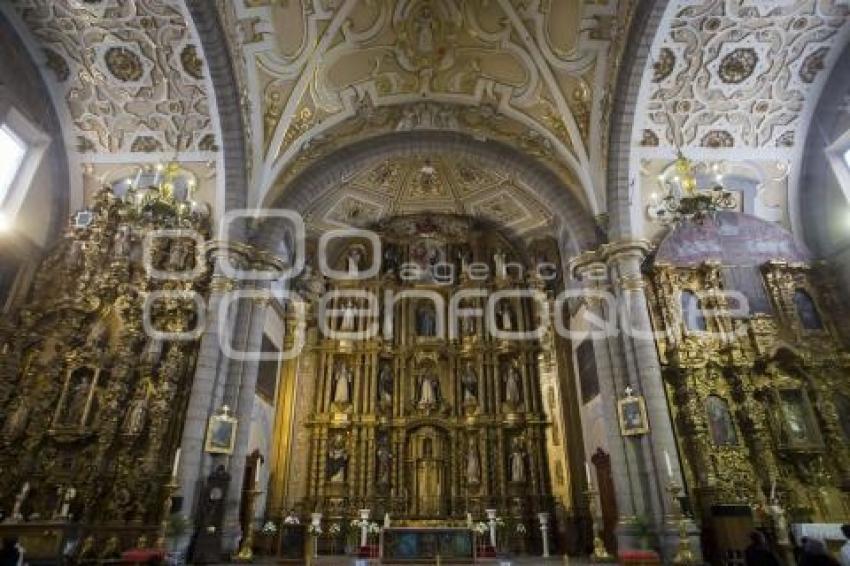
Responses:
[684,553]
[246,548]
[675,490]
[600,553]
[167,499]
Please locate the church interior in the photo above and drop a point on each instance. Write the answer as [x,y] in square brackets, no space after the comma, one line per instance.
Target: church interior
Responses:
[424,281]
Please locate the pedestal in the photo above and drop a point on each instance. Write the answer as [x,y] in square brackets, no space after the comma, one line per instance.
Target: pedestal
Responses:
[544,532]
[491,520]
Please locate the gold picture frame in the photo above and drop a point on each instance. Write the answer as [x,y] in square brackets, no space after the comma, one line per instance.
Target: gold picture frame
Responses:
[221,433]
[631,411]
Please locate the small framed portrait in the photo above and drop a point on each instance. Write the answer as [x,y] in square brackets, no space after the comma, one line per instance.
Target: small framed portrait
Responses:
[221,434]
[632,412]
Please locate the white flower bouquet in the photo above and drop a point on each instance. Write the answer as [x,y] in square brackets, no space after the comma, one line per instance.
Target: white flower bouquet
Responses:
[373,528]
[520,529]
[314,529]
[481,528]
[269,528]
[335,529]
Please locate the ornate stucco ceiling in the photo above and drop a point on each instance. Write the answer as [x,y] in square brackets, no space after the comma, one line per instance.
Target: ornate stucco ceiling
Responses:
[737,81]
[128,79]
[433,183]
[321,74]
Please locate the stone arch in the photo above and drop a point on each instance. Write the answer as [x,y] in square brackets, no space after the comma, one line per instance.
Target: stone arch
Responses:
[322,178]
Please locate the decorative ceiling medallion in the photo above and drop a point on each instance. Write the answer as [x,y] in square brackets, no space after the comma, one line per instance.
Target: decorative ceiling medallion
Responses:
[57,64]
[786,139]
[146,144]
[738,65]
[664,66]
[192,64]
[124,64]
[717,139]
[813,64]
[649,138]
[352,211]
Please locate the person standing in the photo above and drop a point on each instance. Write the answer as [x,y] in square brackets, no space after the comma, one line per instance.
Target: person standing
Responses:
[758,553]
[845,550]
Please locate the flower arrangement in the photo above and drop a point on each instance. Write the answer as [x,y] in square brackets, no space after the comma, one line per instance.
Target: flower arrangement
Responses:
[520,529]
[335,529]
[500,523]
[314,529]
[269,528]
[360,523]
[481,528]
[373,528]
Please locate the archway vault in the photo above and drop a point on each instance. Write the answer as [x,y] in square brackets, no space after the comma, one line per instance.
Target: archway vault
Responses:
[448,172]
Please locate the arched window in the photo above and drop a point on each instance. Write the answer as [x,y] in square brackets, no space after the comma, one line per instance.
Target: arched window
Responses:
[720,423]
[691,312]
[807,311]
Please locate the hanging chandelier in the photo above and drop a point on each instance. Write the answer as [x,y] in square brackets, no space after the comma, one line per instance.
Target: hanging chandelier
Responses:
[682,199]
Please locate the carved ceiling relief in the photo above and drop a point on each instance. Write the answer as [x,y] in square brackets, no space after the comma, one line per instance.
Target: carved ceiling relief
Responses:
[323,74]
[735,75]
[129,72]
[413,184]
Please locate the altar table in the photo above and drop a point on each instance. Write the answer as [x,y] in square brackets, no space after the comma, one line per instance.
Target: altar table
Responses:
[410,545]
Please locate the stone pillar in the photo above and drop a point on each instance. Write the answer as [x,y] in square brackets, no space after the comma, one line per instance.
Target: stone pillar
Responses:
[241,388]
[611,370]
[644,375]
[204,399]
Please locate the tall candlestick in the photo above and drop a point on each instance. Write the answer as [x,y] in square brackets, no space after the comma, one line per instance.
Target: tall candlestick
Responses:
[589,476]
[772,490]
[669,464]
[257,473]
[176,464]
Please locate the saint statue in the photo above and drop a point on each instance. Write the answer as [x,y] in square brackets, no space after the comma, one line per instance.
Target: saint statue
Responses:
[342,383]
[425,322]
[75,255]
[17,422]
[98,337]
[517,460]
[177,256]
[513,379]
[353,261]
[17,514]
[121,242]
[473,463]
[385,383]
[337,459]
[469,380]
[499,264]
[134,421]
[384,458]
[77,399]
[349,315]
[428,390]
[506,319]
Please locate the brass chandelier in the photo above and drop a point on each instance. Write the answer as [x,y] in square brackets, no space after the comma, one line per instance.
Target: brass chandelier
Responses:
[681,199]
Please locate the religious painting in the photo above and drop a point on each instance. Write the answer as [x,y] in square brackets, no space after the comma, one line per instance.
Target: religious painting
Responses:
[692,313]
[797,425]
[632,412]
[807,311]
[720,423]
[221,434]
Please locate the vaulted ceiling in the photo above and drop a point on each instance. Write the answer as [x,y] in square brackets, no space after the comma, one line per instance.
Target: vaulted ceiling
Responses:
[730,80]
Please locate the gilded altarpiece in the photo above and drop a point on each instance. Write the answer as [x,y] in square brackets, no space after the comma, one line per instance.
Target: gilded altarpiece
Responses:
[420,421]
[758,398]
[92,398]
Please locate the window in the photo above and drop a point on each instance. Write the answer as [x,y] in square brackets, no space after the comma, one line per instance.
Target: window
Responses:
[12,151]
[22,145]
